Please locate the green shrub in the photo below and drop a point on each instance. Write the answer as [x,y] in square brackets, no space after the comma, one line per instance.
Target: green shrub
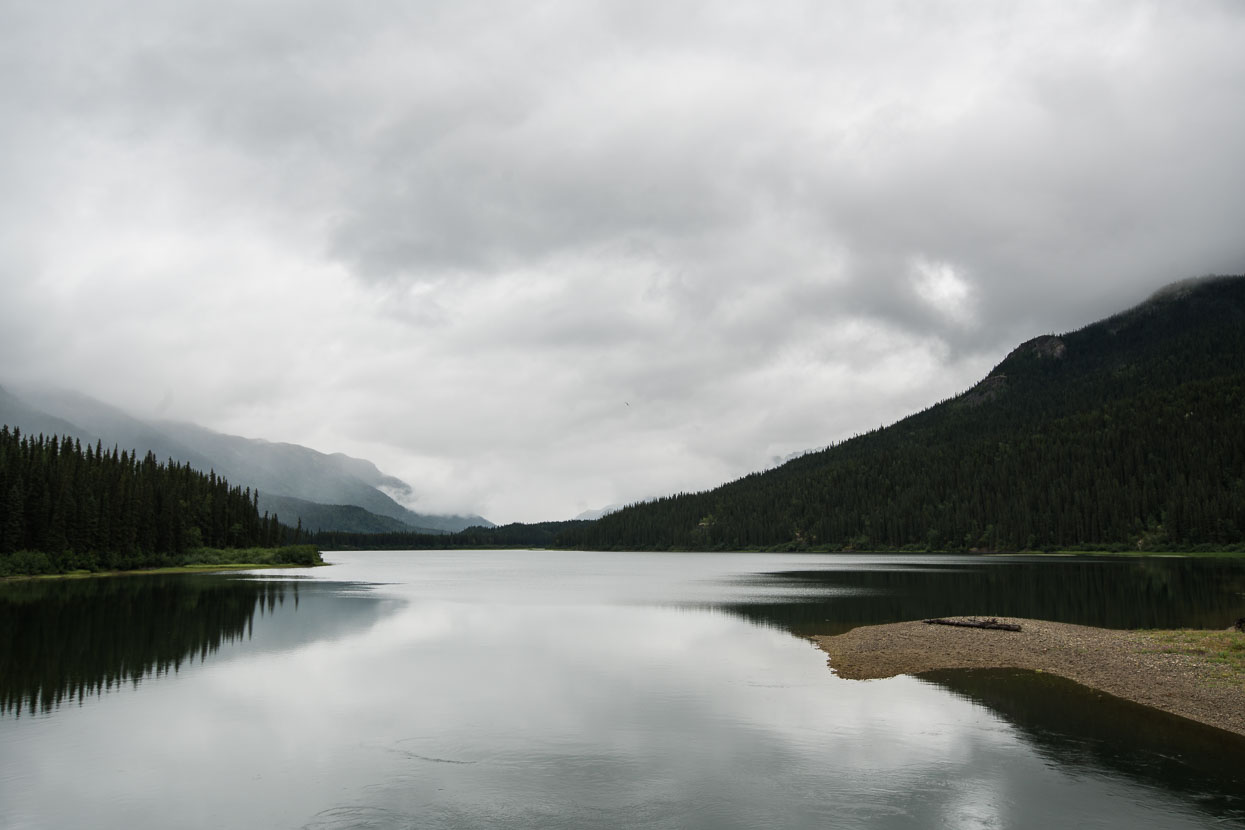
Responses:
[27,562]
[305,555]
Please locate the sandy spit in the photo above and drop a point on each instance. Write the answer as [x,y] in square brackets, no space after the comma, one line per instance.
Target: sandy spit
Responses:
[1127,664]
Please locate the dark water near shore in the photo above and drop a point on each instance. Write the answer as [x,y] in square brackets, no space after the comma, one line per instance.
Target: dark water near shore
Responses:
[551,689]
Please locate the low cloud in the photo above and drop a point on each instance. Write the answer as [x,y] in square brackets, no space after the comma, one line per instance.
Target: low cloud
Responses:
[540,260]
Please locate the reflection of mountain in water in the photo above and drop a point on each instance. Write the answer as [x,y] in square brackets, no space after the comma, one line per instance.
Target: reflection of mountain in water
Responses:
[1110,593]
[1070,724]
[61,640]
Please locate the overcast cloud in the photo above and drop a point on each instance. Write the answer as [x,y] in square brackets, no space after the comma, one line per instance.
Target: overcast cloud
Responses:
[536,258]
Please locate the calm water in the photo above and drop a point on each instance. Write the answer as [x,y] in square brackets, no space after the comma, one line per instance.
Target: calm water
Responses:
[545,690]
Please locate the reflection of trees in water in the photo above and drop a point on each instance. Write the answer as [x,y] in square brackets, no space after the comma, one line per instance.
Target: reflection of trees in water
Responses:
[1116,593]
[1070,724]
[63,640]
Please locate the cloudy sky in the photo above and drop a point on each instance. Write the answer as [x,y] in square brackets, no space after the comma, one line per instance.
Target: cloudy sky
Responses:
[541,257]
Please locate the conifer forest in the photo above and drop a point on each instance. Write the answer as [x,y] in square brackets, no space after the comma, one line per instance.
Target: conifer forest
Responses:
[66,507]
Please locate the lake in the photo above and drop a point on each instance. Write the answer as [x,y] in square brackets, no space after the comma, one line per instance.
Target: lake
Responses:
[539,689]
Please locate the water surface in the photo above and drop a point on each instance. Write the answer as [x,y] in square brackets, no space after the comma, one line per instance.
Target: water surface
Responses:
[554,689]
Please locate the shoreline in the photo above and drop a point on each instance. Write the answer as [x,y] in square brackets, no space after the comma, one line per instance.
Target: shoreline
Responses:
[172,569]
[1166,670]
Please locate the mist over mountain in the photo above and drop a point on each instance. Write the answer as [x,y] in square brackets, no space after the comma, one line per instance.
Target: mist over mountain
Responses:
[590,515]
[294,482]
[15,411]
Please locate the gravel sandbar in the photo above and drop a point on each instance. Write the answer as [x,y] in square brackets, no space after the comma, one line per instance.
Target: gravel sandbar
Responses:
[1127,664]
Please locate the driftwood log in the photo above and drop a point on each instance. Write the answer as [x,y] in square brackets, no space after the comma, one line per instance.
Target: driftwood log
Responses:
[991,623]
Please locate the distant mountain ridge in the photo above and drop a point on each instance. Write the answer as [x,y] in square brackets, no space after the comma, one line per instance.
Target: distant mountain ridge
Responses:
[342,518]
[294,482]
[1127,433]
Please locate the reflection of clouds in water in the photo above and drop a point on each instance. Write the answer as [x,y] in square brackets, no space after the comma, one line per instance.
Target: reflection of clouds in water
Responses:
[975,804]
[1074,728]
[510,711]
[657,710]
[360,818]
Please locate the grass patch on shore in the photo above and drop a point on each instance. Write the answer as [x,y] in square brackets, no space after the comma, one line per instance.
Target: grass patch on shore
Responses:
[1223,648]
[195,561]
[172,569]
[1138,554]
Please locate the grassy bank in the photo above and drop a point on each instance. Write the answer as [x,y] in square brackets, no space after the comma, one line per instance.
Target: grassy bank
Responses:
[32,564]
[1134,554]
[1222,651]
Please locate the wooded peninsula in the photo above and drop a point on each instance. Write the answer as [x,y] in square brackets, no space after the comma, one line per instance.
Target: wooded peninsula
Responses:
[69,508]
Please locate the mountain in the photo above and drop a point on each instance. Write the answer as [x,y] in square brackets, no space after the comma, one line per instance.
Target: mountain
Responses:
[15,411]
[291,470]
[292,480]
[1127,433]
[343,518]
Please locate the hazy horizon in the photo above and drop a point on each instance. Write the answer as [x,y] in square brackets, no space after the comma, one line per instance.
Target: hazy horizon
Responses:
[536,261]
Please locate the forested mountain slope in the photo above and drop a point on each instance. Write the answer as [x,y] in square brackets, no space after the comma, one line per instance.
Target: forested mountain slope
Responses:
[1129,432]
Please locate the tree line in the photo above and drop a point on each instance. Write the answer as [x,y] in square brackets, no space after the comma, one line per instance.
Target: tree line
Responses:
[65,507]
